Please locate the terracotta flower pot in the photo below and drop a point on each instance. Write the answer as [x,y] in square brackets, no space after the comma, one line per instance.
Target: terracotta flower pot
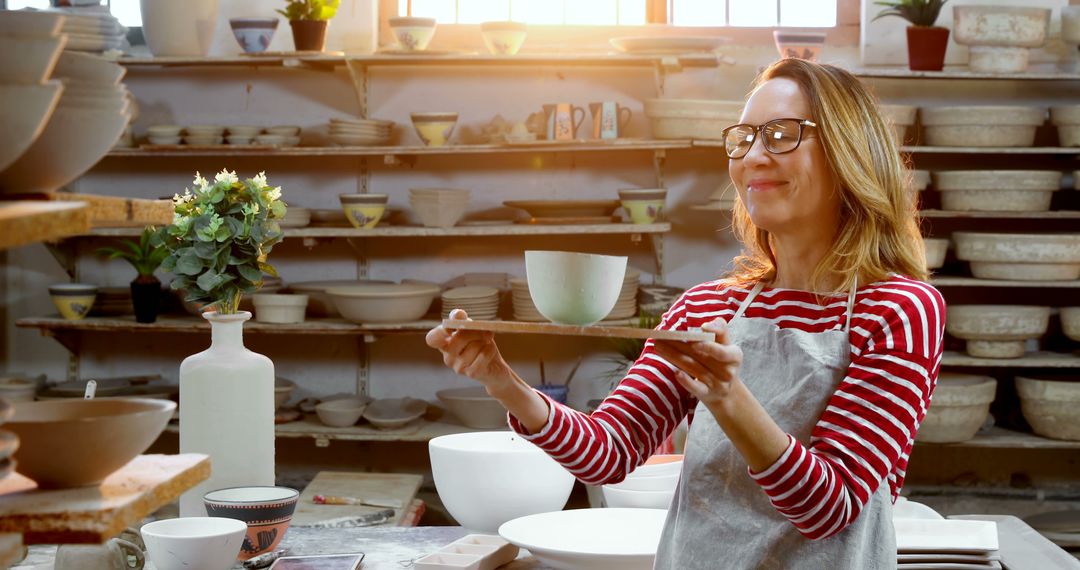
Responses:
[309,35]
[926,47]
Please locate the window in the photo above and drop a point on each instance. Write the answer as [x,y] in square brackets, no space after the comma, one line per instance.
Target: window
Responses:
[736,13]
[127,11]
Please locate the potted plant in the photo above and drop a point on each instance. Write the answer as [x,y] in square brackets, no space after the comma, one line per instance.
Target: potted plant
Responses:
[926,42]
[145,257]
[308,19]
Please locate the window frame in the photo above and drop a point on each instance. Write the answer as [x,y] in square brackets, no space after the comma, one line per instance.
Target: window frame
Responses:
[592,38]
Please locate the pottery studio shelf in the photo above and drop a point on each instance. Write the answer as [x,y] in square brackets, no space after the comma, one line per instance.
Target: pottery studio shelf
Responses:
[1048,215]
[1041,359]
[917,149]
[1038,73]
[284,59]
[951,281]
[1001,438]
[311,428]
[456,231]
[93,515]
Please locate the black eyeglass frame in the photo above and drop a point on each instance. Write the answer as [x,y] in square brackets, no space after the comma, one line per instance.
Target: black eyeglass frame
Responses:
[757,131]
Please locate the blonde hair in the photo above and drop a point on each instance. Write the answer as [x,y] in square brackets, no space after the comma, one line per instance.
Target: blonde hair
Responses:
[878,232]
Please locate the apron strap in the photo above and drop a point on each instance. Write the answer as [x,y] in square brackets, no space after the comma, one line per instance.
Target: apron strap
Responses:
[850,305]
[749,299]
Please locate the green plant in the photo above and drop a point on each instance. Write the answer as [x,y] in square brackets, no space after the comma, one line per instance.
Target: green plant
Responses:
[144,256]
[220,238]
[310,9]
[627,350]
[918,12]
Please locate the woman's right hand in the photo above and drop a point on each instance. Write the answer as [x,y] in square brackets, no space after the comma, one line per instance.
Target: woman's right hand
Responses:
[471,353]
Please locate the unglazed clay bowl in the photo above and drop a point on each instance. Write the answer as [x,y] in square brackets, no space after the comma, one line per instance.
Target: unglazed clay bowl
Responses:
[1070,322]
[206,543]
[574,288]
[77,443]
[342,412]
[981,125]
[383,303]
[1049,405]
[267,512]
[488,478]
[935,252]
[997,331]
[997,190]
[958,408]
[1023,257]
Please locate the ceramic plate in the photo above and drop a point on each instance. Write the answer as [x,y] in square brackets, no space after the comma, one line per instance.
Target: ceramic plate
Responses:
[949,566]
[905,509]
[946,558]
[945,536]
[590,539]
[648,45]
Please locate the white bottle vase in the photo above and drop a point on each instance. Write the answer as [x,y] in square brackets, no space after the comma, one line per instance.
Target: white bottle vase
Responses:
[179,27]
[227,411]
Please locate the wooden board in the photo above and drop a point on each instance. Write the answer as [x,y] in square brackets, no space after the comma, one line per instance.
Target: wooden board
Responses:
[398,486]
[92,515]
[26,222]
[575,330]
[115,211]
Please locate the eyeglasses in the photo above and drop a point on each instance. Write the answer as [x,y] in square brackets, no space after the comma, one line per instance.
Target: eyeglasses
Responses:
[778,136]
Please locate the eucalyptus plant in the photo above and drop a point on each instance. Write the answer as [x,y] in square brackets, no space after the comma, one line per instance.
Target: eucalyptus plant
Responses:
[919,12]
[310,9]
[221,235]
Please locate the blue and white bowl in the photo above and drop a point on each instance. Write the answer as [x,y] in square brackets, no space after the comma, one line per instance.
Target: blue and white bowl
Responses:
[253,34]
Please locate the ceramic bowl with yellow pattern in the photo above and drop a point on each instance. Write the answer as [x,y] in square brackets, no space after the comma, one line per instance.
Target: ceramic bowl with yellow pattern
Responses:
[434,128]
[363,210]
[73,300]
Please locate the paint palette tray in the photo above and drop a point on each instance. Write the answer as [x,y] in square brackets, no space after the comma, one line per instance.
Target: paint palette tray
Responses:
[471,552]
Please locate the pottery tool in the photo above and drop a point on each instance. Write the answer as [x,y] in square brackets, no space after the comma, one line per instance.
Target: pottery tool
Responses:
[266,559]
[577,330]
[333,500]
[358,521]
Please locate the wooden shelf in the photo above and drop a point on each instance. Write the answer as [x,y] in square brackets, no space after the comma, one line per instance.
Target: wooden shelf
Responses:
[1049,215]
[96,514]
[457,59]
[1040,359]
[965,73]
[950,281]
[311,428]
[26,222]
[191,324]
[459,231]
[459,149]
[1001,438]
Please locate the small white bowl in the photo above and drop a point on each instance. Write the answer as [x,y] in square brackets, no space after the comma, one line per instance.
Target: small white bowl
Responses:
[204,130]
[343,412]
[164,130]
[635,482]
[244,130]
[200,140]
[163,140]
[279,308]
[208,543]
[277,140]
[283,130]
[238,140]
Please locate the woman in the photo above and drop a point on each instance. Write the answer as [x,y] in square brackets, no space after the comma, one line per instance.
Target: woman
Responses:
[805,408]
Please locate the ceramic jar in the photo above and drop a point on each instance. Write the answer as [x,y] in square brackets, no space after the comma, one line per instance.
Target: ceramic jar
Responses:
[227,411]
[179,27]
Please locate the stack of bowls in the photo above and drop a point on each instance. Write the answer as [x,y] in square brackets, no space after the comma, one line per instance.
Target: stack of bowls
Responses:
[360,132]
[997,331]
[204,135]
[164,134]
[480,303]
[439,207]
[241,134]
[283,135]
[650,486]
[92,29]
[524,309]
[295,217]
[1070,322]
[1067,120]
[9,442]
[936,248]
[625,305]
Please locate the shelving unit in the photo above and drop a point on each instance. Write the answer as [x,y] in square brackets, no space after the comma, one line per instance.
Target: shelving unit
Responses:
[456,231]
[1041,359]
[453,59]
[963,73]
[311,428]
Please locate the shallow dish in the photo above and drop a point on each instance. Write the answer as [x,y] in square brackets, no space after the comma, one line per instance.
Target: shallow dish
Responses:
[674,45]
[342,412]
[394,412]
[383,303]
[590,539]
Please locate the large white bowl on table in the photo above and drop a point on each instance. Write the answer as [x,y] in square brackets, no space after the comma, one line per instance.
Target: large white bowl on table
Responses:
[574,288]
[1023,257]
[590,539]
[383,303]
[616,497]
[488,478]
[997,331]
[206,543]
[23,116]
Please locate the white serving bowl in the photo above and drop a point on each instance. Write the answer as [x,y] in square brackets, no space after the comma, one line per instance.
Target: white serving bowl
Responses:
[958,408]
[935,252]
[997,331]
[1049,405]
[411,33]
[503,38]
[29,61]
[1070,322]
[590,539]
[319,303]
[383,303]
[23,116]
[981,125]
[1024,257]
[73,141]
[635,482]
[204,130]
[997,190]
[207,543]
[574,288]
[279,308]
[164,130]
[474,407]
[488,478]
[342,412]
[88,67]
[617,498]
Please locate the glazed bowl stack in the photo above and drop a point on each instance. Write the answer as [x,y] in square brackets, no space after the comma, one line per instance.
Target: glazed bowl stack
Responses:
[691,118]
[997,190]
[439,207]
[383,303]
[958,409]
[479,302]
[997,331]
[360,132]
[981,125]
[999,37]
[1049,404]
[1020,257]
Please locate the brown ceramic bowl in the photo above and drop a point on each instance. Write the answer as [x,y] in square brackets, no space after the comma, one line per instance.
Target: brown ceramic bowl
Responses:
[78,443]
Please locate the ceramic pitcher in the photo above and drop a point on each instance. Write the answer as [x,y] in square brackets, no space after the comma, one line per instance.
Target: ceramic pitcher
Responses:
[563,120]
[609,119]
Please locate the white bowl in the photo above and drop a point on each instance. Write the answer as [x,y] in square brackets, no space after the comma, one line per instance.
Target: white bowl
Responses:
[72,142]
[634,482]
[958,408]
[411,33]
[383,303]
[279,308]
[273,140]
[319,303]
[207,543]
[88,67]
[1026,257]
[163,140]
[473,407]
[488,478]
[659,465]
[29,61]
[624,498]
[23,116]
[238,140]
[997,331]
[1049,405]
[574,288]
[503,38]
[342,412]
[244,130]
[164,130]
[590,539]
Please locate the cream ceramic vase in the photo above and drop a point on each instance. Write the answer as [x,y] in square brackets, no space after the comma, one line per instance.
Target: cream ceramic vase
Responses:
[227,411]
[179,27]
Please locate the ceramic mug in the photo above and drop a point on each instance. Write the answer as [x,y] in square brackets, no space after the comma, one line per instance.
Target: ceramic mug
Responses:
[563,121]
[609,119]
[114,554]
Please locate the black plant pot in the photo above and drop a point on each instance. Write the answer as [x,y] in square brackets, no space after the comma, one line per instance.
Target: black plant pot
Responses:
[146,298]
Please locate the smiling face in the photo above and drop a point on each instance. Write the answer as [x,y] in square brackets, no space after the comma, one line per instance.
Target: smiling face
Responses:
[791,193]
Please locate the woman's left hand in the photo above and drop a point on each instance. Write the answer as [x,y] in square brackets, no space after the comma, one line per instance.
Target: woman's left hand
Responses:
[707,369]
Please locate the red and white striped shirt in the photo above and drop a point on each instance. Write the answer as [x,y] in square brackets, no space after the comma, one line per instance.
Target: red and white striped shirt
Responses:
[864,436]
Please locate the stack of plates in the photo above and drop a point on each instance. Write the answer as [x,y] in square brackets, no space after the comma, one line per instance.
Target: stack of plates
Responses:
[625,307]
[92,28]
[112,301]
[1060,527]
[480,303]
[924,544]
[9,442]
[360,132]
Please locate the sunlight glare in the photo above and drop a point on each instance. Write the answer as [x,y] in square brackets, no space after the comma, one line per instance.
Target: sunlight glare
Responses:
[808,13]
[591,12]
[632,12]
[698,13]
[537,11]
[476,11]
[752,13]
[441,10]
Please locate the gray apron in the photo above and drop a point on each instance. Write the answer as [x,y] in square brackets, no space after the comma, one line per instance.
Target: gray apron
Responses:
[720,518]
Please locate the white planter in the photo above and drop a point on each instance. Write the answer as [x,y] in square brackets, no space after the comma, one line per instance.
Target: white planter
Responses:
[1050,406]
[958,409]
[1024,257]
[227,411]
[981,125]
[179,27]
[997,331]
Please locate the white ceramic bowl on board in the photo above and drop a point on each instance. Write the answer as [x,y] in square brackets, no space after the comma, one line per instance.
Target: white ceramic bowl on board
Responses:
[616,497]
[574,288]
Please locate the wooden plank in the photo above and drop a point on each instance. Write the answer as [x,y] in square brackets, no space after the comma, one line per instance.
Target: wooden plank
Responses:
[428,59]
[26,222]
[114,211]
[11,549]
[95,514]
[952,149]
[457,231]
[575,330]
[1040,359]
[191,324]
[393,486]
